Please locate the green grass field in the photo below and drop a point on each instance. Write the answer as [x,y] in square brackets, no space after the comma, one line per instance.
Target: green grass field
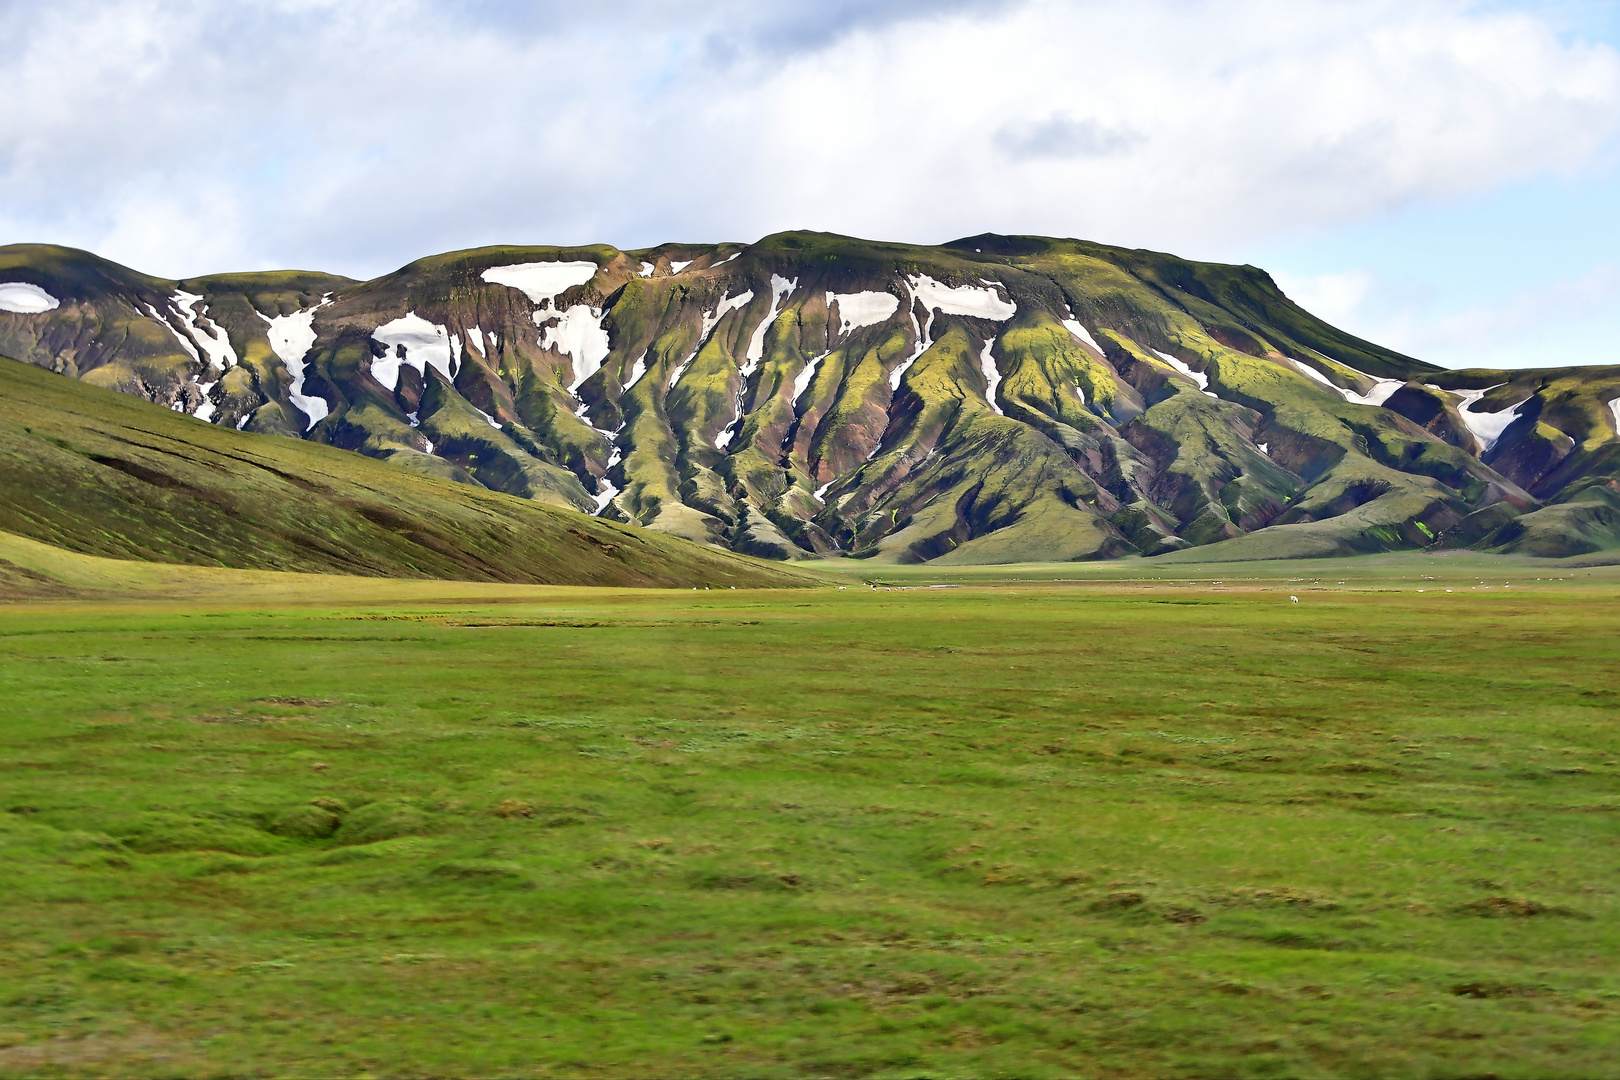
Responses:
[1132,823]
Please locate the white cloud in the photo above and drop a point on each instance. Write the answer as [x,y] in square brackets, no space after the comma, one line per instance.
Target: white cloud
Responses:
[1547,324]
[186,137]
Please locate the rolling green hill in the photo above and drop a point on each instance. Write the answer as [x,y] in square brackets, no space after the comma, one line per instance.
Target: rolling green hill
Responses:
[106,474]
[997,399]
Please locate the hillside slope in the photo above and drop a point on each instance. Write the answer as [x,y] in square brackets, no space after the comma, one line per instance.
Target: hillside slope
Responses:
[107,474]
[995,399]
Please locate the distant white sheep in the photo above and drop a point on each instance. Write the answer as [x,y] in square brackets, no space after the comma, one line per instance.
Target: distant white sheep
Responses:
[1295,599]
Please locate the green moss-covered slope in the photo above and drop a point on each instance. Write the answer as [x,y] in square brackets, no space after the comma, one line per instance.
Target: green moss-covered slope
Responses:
[993,399]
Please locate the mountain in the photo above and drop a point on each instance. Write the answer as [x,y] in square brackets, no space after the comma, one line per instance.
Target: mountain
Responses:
[994,399]
[106,474]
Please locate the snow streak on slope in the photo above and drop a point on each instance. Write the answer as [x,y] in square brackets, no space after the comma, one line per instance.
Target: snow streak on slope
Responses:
[856,310]
[802,381]
[25,299]
[411,339]
[475,338]
[185,343]
[1072,325]
[291,338]
[1614,407]
[1196,376]
[677,267]
[1381,392]
[992,377]
[1486,426]
[711,319]
[637,370]
[605,491]
[216,344]
[781,289]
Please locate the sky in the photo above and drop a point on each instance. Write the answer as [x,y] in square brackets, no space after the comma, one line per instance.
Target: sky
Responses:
[1439,176]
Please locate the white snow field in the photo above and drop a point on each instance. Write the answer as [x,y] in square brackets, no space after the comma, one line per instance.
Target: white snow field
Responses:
[677,267]
[647,269]
[291,338]
[1614,407]
[475,338]
[1486,426]
[856,310]
[992,377]
[541,281]
[424,344]
[971,300]
[23,298]
[1196,376]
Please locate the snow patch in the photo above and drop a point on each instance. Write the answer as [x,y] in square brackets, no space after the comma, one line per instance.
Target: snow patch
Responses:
[1614,407]
[1486,426]
[291,338]
[1381,392]
[494,343]
[243,422]
[856,310]
[475,338]
[1196,376]
[728,258]
[802,381]
[1264,448]
[677,267]
[647,269]
[821,491]
[541,281]
[992,377]
[637,370]
[411,339]
[969,300]
[488,419]
[25,299]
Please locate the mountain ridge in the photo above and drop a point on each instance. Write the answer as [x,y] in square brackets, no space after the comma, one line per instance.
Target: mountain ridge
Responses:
[991,399]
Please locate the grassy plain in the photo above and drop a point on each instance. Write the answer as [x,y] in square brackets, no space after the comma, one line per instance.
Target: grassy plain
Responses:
[271,824]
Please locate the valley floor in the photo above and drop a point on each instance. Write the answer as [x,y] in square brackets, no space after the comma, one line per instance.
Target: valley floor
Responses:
[1149,820]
